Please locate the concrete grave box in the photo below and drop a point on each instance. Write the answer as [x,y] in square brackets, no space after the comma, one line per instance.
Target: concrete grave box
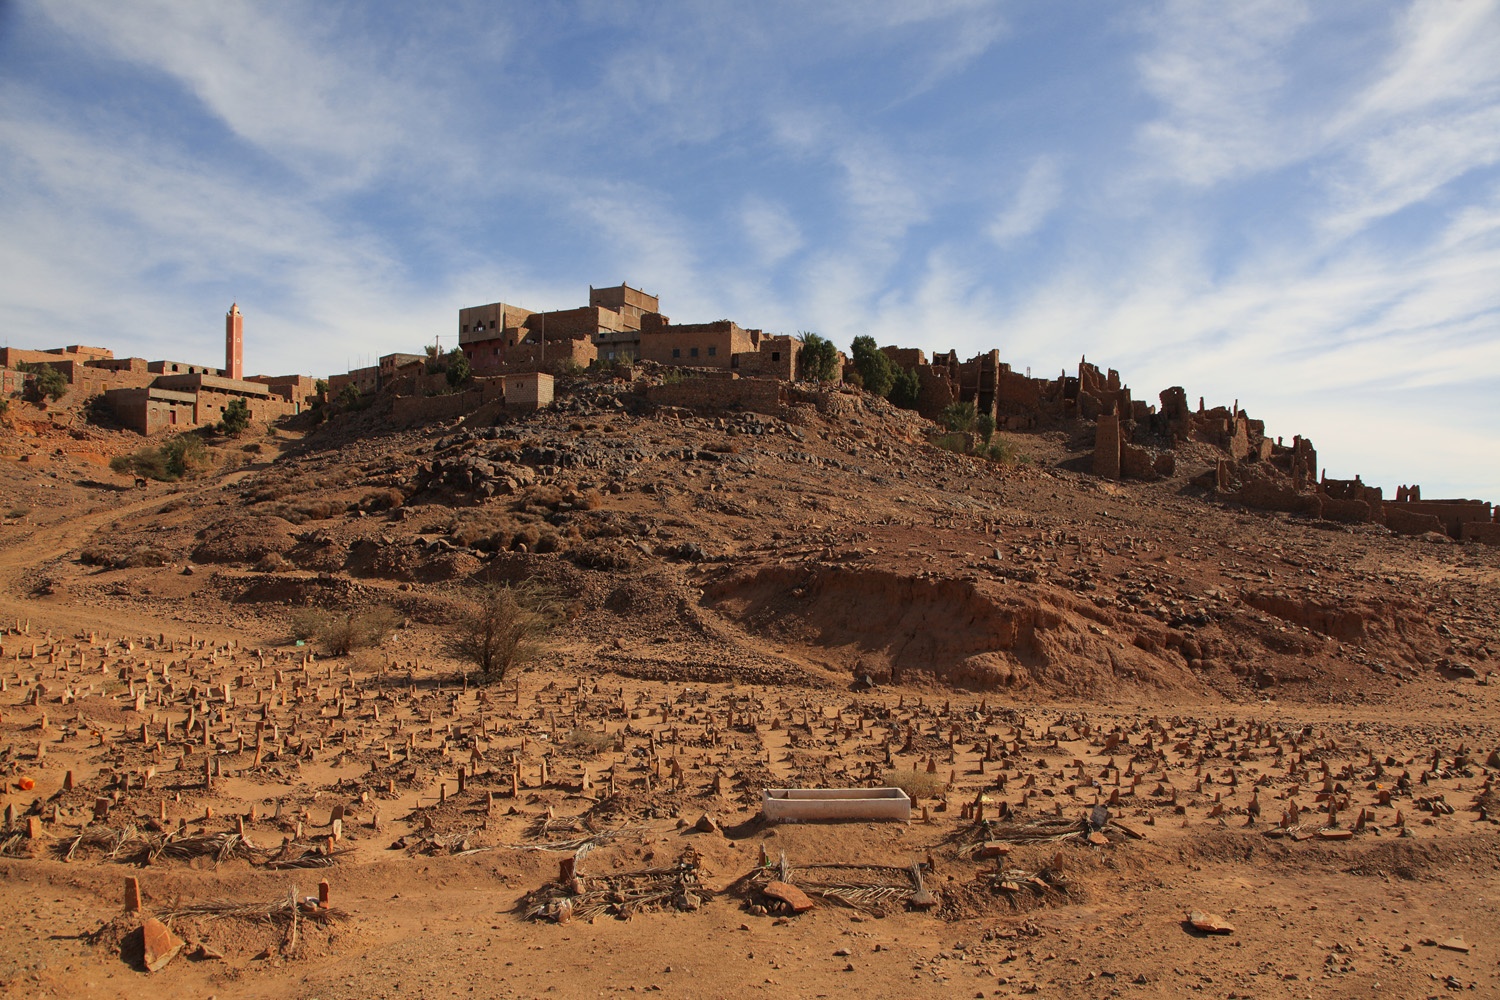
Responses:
[803,804]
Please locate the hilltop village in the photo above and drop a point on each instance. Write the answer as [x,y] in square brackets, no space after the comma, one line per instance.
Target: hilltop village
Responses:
[511,358]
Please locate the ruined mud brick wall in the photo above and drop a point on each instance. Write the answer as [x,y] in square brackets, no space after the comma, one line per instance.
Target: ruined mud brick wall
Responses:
[1406,522]
[906,358]
[1100,393]
[1350,489]
[1451,514]
[979,380]
[1107,446]
[938,391]
[760,395]
[1144,463]
[1486,532]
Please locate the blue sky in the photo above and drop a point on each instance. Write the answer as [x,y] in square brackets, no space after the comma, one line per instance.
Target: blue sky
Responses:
[1296,205]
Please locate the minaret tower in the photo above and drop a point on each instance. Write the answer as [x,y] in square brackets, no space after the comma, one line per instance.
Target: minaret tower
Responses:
[234,342]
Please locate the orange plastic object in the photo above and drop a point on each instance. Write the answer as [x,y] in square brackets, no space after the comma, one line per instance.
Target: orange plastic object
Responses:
[26,784]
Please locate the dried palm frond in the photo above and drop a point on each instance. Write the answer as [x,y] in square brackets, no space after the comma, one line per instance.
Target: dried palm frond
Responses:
[275,912]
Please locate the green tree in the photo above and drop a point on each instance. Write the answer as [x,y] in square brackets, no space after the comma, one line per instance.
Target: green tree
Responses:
[236,418]
[46,382]
[459,369]
[873,366]
[321,388]
[818,359]
[906,387]
[349,397]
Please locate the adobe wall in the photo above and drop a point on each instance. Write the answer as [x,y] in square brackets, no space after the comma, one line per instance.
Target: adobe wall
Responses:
[584,321]
[759,395]
[702,345]
[492,317]
[1485,532]
[1452,514]
[148,411]
[409,410]
[776,358]
[523,357]
[1107,446]
[13,382]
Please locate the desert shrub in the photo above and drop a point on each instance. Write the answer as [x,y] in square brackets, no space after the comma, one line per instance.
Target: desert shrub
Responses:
[272,562]
[143,555]
[548,541]
[959,416]
[96,556]
[528,535]
[1002,452]
[236,418]
[19,512]
[589,741]
[182,457]
[387,499]
[916,784]
[319,510]
[350,398]
[591,500]
[503,627]
[343,632]
[4,406]
[985,425]
[601,555]
[253,448]
[954,442]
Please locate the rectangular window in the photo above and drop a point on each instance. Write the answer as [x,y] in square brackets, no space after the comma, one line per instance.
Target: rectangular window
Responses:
[775,355]
[713,352]
[676,352]
[693,352]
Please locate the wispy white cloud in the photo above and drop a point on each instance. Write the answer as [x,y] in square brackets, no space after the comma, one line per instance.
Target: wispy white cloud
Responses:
[1217,73]
[1038,196]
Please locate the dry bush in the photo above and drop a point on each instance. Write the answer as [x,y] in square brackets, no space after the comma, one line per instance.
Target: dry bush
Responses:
[272,562]
[591,500]
[916,784]
[528,535]
[320,510]
[503,627]
[379,500]
[549,541]
[589,741]
[343,632]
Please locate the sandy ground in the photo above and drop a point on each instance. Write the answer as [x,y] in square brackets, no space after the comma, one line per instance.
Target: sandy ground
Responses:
[1343,827]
